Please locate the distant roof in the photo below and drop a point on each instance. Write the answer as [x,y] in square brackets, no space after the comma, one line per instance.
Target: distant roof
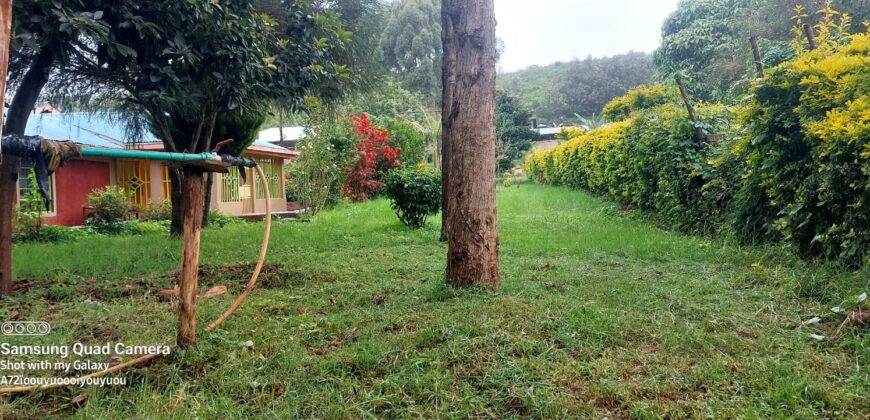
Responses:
[290,134]
[97,130]
[549,130]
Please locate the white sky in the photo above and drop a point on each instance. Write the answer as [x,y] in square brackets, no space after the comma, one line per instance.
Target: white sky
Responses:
[545,31]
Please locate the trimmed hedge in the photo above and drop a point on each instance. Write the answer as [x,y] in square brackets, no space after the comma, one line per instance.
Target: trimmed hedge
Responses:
[790,163]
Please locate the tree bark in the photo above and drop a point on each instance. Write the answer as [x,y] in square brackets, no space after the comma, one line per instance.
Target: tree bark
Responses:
[468,121]
[193,190]
[16,122]
[684,94]
[756,55]
[811,36]
[206,208]
[177,222]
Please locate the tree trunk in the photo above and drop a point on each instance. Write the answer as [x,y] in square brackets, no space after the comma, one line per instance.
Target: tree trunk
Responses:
[206,208]
[16,121]
[177,222]
[468,121]
[193,190]
[756,55]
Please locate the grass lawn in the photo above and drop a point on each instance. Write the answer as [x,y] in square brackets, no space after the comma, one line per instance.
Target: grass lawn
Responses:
[600,314]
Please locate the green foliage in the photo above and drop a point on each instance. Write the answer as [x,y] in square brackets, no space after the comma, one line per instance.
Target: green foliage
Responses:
[557,92]
[414,195]
[405,137]
[650,161]
[795,172]
[109,205]
[315,176]
[512,130]
[156,212]
[219,220]
[638,99]
[28,213]
[805,153]
[410,46]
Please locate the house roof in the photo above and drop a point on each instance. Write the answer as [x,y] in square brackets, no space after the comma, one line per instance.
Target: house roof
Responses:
[290,134]
[105,130]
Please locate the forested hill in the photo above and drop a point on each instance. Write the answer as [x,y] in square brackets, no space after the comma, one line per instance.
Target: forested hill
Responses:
[561,90]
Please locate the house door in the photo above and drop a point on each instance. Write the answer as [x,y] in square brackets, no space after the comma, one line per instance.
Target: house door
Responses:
[246,192]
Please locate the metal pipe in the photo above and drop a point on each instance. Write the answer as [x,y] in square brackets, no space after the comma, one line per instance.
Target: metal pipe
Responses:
[150,155]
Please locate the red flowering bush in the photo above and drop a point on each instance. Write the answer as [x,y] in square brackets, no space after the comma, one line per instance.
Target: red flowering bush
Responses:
[376,158]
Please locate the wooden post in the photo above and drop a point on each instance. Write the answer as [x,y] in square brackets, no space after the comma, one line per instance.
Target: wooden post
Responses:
[756,53]
[684,93]
[5,39]
[7,193]
[811,36]
[192,191]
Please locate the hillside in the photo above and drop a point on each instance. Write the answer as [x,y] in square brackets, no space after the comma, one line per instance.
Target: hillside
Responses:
[562,89]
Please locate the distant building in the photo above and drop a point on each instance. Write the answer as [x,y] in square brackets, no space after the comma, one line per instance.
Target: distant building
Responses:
[292,135]
[145,181]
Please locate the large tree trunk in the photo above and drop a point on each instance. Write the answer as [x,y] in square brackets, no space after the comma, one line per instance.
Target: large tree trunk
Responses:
[16,122]
[193,194]
[468,121]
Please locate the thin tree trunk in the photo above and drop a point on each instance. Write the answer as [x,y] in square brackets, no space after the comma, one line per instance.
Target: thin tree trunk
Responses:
[811,36]
[193,191]
[468,121]
[177,223]
[756,54]
[16,122]
[209,182]
[684,94]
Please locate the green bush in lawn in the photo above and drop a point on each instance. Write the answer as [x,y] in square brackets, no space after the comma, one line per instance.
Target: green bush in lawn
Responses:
[110,205]
[414,194]
[157,211]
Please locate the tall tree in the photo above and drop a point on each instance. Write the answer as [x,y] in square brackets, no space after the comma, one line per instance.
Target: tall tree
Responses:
[411,45]
[468,121]
[45,34]
[512,130]
[197,58]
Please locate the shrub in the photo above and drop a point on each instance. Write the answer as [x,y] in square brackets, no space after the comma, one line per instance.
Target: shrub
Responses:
[376,158]
[110,205]
[49,234]
[157,211]
[637,99]
[414,195]
[807,179]
[219,220]
[314,175]
[28,213]
[406,139]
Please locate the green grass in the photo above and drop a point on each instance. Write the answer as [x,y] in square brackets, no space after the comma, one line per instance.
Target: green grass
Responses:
[600,314]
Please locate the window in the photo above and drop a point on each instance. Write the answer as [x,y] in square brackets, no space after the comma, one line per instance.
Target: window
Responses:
[27,188]
[230,183]
[273,169]
[134,176]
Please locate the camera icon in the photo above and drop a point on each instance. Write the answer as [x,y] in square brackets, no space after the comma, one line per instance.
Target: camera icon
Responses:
[25,328]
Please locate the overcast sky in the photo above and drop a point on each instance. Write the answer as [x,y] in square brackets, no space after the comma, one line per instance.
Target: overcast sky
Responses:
[545,31]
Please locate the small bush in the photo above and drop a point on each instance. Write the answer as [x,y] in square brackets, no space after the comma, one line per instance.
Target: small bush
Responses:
[219,220]
[110,205]
[414,195]
[157,211]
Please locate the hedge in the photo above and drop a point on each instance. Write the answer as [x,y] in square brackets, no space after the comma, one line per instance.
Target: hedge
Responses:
[788,163]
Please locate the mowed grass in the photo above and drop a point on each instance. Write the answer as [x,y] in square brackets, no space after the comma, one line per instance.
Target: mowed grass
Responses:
[599,314]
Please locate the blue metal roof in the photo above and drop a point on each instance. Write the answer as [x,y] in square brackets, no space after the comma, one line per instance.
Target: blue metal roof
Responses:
[95,130]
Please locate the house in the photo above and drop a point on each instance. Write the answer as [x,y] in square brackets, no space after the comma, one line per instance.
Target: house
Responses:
[145,181]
